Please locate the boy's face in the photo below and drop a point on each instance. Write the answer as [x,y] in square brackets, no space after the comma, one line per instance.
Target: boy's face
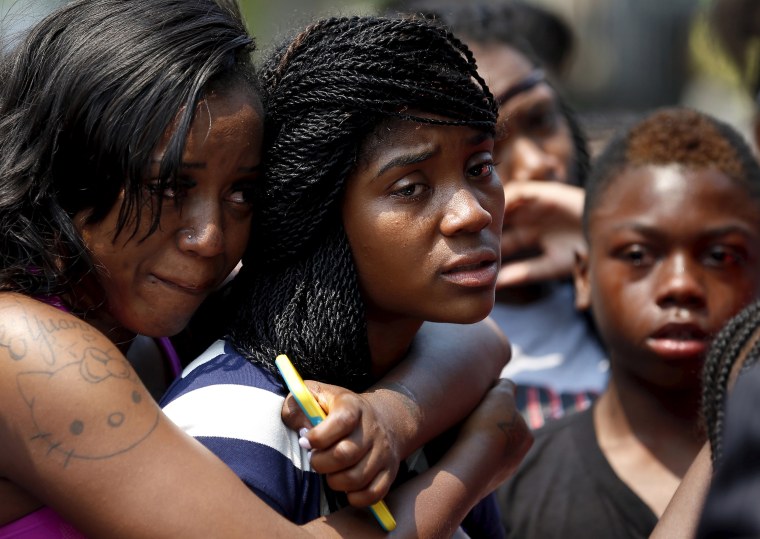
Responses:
[673,254]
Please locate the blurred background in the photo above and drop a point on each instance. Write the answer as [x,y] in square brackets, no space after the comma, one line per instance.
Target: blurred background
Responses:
[627,56]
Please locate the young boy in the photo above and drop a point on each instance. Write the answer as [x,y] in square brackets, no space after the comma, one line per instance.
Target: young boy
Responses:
[672,219]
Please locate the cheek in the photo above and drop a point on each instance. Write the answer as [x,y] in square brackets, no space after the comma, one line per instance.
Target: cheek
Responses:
[728,300]
[237,239]
[561,146]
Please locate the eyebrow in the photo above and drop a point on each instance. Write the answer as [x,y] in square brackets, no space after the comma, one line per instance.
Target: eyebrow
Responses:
[534,78]
[419,157]
[710,233]
[407,159]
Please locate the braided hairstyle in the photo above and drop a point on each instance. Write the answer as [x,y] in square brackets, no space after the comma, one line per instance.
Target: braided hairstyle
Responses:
[739,340]
[325,93]
[679,136]
[86,97]
[516,25]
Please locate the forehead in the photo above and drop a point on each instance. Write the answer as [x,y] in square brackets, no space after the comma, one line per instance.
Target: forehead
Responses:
[502,66]
[674,198]
[395,134]
[235,109]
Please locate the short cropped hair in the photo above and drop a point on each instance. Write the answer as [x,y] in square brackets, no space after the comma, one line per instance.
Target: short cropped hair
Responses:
[680,136]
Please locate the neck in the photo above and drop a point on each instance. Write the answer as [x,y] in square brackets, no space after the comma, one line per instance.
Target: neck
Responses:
[389,340]
[665,420]
[95,312]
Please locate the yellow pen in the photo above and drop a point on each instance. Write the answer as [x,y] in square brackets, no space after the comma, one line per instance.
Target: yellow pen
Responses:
[314,412]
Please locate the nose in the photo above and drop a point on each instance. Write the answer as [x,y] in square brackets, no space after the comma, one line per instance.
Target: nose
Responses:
[464,214]
[530,162]
[679,283]
[203,233]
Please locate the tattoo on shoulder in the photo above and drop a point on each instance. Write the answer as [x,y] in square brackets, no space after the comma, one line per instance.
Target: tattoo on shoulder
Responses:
[89,432]
[40,338]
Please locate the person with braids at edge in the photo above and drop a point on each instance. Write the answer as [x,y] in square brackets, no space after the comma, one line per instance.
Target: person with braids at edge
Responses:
[542,160]
[130,137]
[673,224]
[380,210]
[732,379]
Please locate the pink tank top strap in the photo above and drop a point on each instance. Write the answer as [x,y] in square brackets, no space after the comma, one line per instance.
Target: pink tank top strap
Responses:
[43,522]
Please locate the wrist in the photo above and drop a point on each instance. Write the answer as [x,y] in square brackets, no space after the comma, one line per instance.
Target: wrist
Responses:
[397,409]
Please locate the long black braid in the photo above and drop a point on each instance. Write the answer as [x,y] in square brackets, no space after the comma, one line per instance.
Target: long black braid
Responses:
[739,338]
[324,93]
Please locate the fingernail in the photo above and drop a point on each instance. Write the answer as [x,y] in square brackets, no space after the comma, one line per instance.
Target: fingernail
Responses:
[304,443]
[308,456]
[303,432]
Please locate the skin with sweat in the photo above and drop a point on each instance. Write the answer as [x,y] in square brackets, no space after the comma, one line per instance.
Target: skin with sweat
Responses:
[423,215]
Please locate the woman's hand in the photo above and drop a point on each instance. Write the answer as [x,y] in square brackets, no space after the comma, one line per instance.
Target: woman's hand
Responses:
[352,447]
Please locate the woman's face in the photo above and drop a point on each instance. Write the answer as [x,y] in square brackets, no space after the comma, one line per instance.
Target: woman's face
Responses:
[423,214]
[534,141]
[152,286]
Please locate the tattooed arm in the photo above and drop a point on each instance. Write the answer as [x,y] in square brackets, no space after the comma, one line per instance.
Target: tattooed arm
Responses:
[79,432]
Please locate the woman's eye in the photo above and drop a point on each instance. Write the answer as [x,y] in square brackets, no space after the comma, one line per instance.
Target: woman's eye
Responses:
[410,191]
[166,191]
[242,196]
[543,121]
[481,170]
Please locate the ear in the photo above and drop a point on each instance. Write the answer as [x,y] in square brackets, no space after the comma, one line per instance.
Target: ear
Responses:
[581,279]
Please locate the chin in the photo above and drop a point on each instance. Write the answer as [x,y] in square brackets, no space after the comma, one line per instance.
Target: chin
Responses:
[152,328]
[468,314]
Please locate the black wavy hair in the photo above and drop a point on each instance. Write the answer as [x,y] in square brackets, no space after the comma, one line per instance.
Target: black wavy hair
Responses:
[675,135]
[739,338]
[86,97]
[325,92]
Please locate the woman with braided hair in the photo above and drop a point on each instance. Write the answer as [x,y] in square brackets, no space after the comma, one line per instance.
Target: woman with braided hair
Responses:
[543,161]
[380,210]
[130,140]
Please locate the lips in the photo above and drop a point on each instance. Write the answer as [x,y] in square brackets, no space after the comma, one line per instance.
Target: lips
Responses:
[680,340]
[197,288]
[478,269]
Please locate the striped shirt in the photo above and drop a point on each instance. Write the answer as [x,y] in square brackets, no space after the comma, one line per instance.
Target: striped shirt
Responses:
[233,407]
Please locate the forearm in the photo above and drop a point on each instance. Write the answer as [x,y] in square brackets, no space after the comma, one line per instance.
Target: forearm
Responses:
[681,516]
[434,503]
[415,397]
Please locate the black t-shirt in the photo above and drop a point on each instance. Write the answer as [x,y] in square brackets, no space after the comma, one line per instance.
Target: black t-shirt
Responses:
[566,488]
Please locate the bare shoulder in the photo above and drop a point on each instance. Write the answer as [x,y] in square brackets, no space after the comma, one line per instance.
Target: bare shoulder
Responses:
[34,334]
[67,394]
